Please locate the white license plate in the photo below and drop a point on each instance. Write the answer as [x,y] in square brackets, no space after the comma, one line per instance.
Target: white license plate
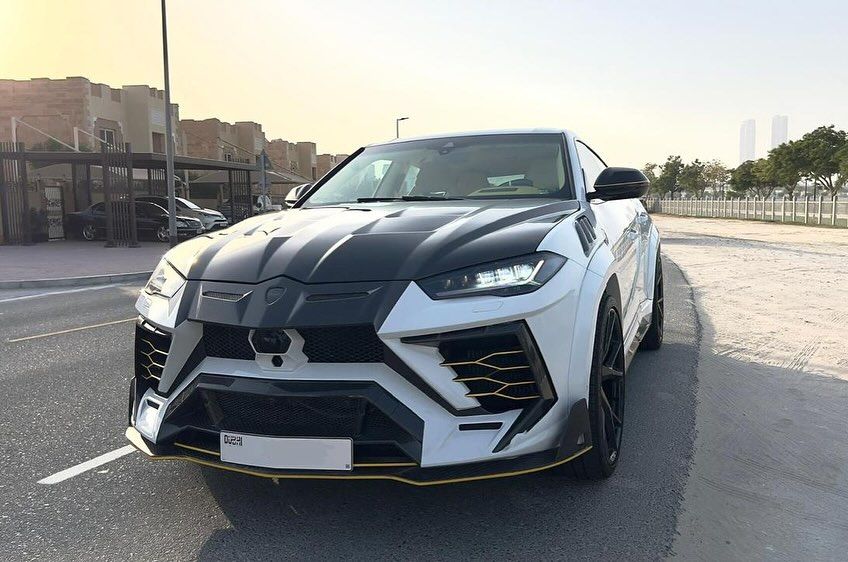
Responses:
[200,230]
[287,453]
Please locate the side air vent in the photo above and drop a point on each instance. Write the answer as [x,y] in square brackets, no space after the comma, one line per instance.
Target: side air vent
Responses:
[151,351]
[495,369]
[585,232]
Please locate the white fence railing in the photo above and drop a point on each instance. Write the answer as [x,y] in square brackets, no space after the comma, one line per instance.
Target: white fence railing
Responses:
[804,210]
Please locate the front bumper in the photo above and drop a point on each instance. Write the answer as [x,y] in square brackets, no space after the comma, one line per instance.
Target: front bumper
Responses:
[441,418]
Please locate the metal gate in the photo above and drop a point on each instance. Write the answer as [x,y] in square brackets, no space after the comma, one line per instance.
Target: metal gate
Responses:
[55,212]
[14,196]
[156,184]
[119,196]
[241,202]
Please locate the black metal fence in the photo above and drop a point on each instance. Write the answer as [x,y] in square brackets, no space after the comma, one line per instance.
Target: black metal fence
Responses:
[241,201]
[33,206]
[14,195]
[119,196]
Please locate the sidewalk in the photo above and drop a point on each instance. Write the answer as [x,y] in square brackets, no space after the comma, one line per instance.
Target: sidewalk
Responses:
[75,262]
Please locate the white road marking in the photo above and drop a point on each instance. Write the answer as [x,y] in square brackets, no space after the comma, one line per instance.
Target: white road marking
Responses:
[63,292]
[27,338]
[63,475]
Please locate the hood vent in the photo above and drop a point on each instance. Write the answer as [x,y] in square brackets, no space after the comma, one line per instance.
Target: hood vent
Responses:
[585,232]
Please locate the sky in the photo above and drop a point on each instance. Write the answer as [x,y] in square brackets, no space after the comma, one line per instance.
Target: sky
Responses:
[637,80]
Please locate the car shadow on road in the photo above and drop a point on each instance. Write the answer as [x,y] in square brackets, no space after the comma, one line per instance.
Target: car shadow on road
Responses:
[542,515]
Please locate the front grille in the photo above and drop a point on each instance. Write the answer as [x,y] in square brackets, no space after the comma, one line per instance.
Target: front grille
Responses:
[335,344]
[495,369]
[313,416]
[151,352]
[228,342]
[342,344]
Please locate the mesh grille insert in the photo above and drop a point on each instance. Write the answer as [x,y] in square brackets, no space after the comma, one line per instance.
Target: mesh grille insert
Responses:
[229,342]
[302,416]
[342,344]
[151,352]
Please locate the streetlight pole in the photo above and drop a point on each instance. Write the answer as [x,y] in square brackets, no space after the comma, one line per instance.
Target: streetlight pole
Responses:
[397,124]
[169,138]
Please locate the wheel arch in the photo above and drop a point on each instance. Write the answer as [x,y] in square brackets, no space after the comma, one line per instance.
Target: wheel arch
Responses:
[592,293]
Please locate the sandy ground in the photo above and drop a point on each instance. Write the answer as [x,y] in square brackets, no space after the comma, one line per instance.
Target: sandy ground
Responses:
[770,473]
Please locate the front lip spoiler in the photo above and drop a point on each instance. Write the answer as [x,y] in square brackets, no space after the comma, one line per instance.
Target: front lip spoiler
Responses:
[399,472]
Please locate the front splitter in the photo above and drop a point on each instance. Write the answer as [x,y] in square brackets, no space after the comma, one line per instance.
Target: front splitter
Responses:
[399,472]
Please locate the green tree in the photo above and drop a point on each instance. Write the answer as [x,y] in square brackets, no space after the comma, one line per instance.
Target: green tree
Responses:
[842,161]
[742,179]
[765,178]
[818,157]
[650,171]
[668,180]
[787,167]
[716,176]
[692,178]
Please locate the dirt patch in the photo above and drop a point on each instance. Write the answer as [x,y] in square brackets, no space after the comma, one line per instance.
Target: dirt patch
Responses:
[769,477]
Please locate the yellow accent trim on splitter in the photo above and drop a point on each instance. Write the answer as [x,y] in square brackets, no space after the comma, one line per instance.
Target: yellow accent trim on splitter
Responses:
[198,449]
[137,441]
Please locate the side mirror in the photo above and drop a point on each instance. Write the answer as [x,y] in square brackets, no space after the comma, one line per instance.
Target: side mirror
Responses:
[620,183]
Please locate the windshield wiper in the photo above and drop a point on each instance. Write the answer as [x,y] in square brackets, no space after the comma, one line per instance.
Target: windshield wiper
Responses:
[406,198]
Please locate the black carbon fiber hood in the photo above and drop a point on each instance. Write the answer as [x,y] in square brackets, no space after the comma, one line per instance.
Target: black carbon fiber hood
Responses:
[374,242]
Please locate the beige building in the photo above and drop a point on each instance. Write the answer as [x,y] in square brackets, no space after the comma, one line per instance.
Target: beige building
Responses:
[300,158]
[283,155]
[75,110]
[219,140]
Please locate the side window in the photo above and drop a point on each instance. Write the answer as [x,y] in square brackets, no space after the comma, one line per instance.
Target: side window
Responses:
[99,208]
[591,164]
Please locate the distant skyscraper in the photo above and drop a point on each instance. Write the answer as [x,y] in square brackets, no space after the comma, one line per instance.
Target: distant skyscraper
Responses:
[779,130]
[747,140]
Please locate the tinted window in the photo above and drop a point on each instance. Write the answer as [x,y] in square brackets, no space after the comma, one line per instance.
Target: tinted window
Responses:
[590,163]
[493,166]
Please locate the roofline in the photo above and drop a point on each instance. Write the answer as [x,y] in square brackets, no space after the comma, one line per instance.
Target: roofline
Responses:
[490,132]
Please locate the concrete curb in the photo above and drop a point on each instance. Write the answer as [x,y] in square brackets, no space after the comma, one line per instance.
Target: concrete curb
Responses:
[77,281]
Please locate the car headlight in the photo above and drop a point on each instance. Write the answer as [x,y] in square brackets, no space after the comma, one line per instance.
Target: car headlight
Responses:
[165,281]
[514,276]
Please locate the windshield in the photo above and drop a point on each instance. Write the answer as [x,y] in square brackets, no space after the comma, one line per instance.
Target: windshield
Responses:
[488,166]
[186,204]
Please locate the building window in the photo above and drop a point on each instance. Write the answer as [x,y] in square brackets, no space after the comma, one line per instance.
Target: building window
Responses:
[158,143]
[107,136]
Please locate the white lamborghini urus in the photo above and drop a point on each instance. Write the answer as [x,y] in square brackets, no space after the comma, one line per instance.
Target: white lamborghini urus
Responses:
[433,310]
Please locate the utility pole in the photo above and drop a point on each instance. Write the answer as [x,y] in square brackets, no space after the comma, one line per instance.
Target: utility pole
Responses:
[169,138]
[397,126]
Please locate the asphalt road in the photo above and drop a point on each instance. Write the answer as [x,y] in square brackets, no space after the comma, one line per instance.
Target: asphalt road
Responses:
[64,402]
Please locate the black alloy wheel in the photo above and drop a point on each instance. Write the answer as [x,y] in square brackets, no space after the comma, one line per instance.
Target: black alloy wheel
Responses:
[612,385]
[606,398]
[162,234]
[89,232]
[654,336]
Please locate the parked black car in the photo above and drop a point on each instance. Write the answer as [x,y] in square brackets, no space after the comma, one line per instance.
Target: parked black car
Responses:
[151,222]
[211,220]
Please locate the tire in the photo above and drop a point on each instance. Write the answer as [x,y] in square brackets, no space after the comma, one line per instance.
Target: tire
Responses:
[654,336]
[606,398]
[88,232]
[162,234]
